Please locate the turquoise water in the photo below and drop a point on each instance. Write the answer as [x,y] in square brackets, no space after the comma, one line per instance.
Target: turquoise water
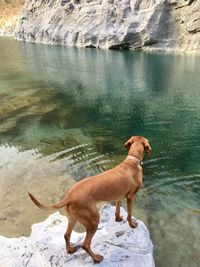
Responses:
[65,113]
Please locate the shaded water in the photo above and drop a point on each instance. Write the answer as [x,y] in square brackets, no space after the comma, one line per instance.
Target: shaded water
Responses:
[65,114]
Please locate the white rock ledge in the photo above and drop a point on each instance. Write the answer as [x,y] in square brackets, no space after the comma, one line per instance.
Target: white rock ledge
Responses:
[158,25]
[116,241]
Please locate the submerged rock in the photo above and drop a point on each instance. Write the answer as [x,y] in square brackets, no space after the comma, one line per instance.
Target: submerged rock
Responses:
[117,242]
[118,24]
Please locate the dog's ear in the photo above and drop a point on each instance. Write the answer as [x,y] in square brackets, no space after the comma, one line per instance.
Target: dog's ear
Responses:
[129,143]
[147,147]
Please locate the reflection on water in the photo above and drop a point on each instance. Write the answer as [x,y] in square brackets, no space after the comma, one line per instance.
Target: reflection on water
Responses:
[65,114]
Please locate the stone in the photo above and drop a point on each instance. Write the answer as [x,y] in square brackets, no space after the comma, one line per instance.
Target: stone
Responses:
[120,245]
[9,18]
[165,25]
[161,25]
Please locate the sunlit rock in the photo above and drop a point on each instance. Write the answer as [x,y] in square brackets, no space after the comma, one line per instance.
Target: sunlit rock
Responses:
[117,24]
[10,14]
[117,242]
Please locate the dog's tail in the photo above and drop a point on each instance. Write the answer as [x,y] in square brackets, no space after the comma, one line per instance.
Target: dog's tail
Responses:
[59,205]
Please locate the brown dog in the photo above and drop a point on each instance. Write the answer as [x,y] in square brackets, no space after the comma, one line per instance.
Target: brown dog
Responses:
[121,182]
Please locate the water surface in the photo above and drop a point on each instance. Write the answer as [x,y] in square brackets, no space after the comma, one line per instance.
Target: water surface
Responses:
[65,113]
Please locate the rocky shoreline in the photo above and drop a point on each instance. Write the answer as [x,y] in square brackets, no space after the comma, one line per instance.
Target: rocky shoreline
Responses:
[119,244]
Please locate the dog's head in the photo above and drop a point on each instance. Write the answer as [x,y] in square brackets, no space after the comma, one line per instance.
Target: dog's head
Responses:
[142,140]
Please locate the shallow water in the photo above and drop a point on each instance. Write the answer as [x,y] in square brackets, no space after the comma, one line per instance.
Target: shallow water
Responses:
[65,114]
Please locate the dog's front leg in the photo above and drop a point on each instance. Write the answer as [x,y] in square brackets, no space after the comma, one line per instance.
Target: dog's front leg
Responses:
[118,218]
[132,223]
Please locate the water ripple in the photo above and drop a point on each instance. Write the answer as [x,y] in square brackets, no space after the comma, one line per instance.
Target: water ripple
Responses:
[82,160]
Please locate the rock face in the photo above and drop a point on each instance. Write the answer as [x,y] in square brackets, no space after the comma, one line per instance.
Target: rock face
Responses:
[117,242]
[119,24]
[9,18]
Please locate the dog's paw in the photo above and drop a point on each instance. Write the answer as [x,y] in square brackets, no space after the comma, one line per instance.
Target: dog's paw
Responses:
[132,223]
[71,250]
[118,218]
[97,258]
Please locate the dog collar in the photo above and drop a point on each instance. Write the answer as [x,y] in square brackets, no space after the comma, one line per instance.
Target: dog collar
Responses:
[135,159]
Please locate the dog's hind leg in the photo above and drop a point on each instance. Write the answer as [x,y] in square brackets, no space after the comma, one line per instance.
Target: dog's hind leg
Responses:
[91,227]
[89,217]
[71,223]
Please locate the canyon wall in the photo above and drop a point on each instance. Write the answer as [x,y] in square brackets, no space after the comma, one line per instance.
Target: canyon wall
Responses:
[167,25]
[9,16]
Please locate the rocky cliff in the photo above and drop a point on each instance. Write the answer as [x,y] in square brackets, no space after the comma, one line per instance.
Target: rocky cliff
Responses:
[136,24]
[10,14]
[131,24]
